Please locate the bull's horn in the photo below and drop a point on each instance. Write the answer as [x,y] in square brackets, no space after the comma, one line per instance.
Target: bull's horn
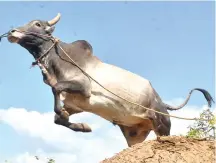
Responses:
[54,20]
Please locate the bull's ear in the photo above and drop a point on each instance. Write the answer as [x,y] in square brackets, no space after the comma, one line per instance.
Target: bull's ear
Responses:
[49,29]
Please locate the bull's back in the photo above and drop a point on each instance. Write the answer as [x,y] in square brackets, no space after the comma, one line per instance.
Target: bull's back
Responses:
[120,81]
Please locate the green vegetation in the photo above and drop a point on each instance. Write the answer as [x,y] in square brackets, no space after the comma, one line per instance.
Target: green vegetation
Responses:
[203,129]
[51,161]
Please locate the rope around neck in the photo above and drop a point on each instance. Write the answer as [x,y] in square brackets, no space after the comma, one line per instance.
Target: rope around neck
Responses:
[45,53]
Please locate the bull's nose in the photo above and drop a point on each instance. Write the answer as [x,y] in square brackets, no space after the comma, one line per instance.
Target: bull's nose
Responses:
[13,30]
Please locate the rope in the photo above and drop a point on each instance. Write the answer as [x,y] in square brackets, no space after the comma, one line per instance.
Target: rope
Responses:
[3,35]
[38,60]
[120,96]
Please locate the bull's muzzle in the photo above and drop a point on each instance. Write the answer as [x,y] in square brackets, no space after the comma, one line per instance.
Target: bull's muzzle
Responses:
[14,36]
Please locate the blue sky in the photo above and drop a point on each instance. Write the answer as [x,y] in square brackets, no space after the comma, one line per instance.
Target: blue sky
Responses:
[169,43]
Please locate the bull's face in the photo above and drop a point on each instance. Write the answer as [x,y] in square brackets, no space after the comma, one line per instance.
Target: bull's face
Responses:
[33,33]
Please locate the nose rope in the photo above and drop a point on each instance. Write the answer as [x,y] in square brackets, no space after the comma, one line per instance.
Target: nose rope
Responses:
[28,33]
[72,61]
[38,35]
[3,35]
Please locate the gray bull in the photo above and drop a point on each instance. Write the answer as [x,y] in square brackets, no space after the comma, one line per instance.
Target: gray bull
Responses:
[79,93]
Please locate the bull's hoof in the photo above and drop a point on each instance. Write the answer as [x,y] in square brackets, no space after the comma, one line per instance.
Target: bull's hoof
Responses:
[64,115]
[80,127]
[87,94]
[163,141]
[86,127]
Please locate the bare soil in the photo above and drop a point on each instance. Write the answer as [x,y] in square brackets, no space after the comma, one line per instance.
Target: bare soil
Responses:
[172,149]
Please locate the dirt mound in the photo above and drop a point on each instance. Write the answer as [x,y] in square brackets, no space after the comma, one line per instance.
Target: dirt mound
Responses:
[173,149]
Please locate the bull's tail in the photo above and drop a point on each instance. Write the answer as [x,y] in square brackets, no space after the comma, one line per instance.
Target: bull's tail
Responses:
[205,93]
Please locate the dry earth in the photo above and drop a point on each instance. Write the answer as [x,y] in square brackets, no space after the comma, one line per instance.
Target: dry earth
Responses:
[173,149]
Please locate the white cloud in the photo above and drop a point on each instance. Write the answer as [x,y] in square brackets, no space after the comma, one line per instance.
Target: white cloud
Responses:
[44,157]
[27,158]
[74,147]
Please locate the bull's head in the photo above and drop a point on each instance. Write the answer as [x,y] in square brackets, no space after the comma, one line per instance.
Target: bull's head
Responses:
[33,33]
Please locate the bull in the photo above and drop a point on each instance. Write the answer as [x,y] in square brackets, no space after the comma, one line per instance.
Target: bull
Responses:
[79,93]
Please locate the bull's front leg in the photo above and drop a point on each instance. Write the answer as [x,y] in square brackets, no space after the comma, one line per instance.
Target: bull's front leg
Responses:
[62,114]
[69,87]
[78,127]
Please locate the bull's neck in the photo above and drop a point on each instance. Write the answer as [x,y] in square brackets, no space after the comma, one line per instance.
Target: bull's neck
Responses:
[38,50]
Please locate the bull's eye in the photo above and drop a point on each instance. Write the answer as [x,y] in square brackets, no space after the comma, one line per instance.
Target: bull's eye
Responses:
[38,24]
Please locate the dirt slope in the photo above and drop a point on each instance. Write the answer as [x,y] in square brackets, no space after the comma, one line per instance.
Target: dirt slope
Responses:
[173,150]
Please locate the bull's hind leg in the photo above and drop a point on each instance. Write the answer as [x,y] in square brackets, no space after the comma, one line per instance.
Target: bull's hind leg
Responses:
[161,126]
[78,127]
[134,135]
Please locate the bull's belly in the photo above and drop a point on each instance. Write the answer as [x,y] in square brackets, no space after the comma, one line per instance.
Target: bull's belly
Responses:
[111,110]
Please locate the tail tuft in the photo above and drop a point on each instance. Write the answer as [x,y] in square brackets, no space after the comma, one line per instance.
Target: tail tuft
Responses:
[207,95]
